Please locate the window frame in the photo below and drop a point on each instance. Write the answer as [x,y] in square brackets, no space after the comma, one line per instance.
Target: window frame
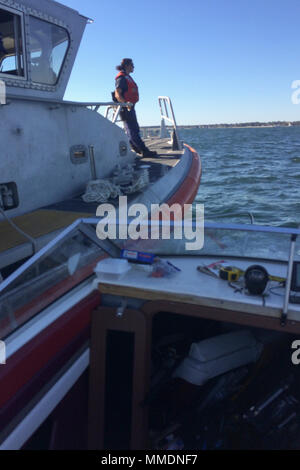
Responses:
[65,56]
[4,75]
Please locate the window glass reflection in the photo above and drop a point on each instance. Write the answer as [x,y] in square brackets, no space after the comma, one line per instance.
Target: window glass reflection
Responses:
[11,49]
[57,272]
[48,48]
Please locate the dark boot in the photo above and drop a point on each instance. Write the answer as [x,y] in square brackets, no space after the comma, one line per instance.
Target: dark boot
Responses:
[149,153]
[136,150]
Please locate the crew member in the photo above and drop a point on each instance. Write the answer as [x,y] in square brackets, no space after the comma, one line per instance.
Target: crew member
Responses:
[3,51]
[127,92]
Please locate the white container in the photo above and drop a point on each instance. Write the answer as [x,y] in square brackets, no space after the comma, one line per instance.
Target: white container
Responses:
[215,356]
[112,269]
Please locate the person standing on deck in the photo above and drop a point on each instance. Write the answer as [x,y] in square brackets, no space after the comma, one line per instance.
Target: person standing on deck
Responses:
[127,92]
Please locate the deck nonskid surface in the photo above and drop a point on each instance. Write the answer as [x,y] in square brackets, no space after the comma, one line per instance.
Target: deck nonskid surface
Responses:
[166,155]
[36,224]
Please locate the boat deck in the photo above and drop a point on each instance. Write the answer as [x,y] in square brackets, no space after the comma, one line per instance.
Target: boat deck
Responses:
[166,155]
[47,221]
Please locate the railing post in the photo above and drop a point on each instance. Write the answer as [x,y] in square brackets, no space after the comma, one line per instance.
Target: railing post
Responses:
[288,281]
[2,353]
[116,114]
[2,92]
[165,102]
[163,130]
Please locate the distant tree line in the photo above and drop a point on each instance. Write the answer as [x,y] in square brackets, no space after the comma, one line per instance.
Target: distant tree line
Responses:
[249,124]
[237,124]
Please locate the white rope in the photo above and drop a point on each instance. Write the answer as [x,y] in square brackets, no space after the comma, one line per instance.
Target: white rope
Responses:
[100,191]
[140,182]
[124,181]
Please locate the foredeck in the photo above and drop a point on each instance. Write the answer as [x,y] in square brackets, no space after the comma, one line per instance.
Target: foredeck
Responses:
[166,155]
[53,218]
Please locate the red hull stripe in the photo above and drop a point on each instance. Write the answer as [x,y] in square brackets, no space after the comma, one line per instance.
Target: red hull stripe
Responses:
[188,190]
[32,357]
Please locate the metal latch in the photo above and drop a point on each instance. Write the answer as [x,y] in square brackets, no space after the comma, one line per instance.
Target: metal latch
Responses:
[122,308]
[8,196]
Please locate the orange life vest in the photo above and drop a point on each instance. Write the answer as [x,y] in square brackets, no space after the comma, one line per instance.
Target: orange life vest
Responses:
[132,94]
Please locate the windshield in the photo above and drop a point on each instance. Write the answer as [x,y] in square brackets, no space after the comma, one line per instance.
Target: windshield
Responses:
[56,272]
[71,258]
[222,242]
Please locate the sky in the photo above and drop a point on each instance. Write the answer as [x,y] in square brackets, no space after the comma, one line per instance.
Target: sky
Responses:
[220,61]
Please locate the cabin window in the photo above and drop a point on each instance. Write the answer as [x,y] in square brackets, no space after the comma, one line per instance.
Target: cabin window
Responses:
[48,47]
[11,44]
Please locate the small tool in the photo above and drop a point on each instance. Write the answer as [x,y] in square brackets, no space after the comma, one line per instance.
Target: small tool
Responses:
[230,273]
[206,270]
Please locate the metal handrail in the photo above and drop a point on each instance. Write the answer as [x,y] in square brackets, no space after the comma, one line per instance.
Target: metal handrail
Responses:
[117,107]
[94,105]
[65,102]
[167,114]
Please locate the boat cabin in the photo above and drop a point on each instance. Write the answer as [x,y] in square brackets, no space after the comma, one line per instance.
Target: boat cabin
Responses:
[39,41]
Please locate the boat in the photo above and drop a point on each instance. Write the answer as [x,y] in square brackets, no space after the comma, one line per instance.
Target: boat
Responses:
[58,160]
[128,343]
[49,159]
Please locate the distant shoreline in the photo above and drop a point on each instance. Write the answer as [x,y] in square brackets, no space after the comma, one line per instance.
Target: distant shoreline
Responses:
[240,125]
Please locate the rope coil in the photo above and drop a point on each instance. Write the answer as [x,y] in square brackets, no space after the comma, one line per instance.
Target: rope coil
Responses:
[124,181]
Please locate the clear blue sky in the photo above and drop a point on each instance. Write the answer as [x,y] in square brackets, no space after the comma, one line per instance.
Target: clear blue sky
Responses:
[218,60]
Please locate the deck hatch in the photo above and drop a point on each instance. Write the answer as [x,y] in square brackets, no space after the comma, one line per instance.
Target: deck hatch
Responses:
[9,198]
[123,149]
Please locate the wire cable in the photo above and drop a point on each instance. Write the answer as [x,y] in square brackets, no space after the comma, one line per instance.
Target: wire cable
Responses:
[25,235]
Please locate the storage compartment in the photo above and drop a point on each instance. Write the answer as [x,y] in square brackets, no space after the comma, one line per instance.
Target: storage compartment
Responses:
[246,400]
[243,393]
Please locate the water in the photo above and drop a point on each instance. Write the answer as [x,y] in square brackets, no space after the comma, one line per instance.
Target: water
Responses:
[246,170]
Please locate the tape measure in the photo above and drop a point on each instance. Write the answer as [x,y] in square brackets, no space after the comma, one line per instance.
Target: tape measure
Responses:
[230,273]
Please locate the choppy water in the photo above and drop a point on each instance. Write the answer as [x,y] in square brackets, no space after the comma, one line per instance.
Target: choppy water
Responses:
[245,170]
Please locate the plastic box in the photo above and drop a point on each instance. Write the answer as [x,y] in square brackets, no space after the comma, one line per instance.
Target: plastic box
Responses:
[112,269]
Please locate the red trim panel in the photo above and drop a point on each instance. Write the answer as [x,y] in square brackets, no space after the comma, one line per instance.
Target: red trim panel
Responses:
[188,190]
[32,357]
[23,396]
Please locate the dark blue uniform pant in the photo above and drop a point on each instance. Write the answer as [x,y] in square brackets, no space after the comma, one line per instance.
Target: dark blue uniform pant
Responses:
[132,129]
